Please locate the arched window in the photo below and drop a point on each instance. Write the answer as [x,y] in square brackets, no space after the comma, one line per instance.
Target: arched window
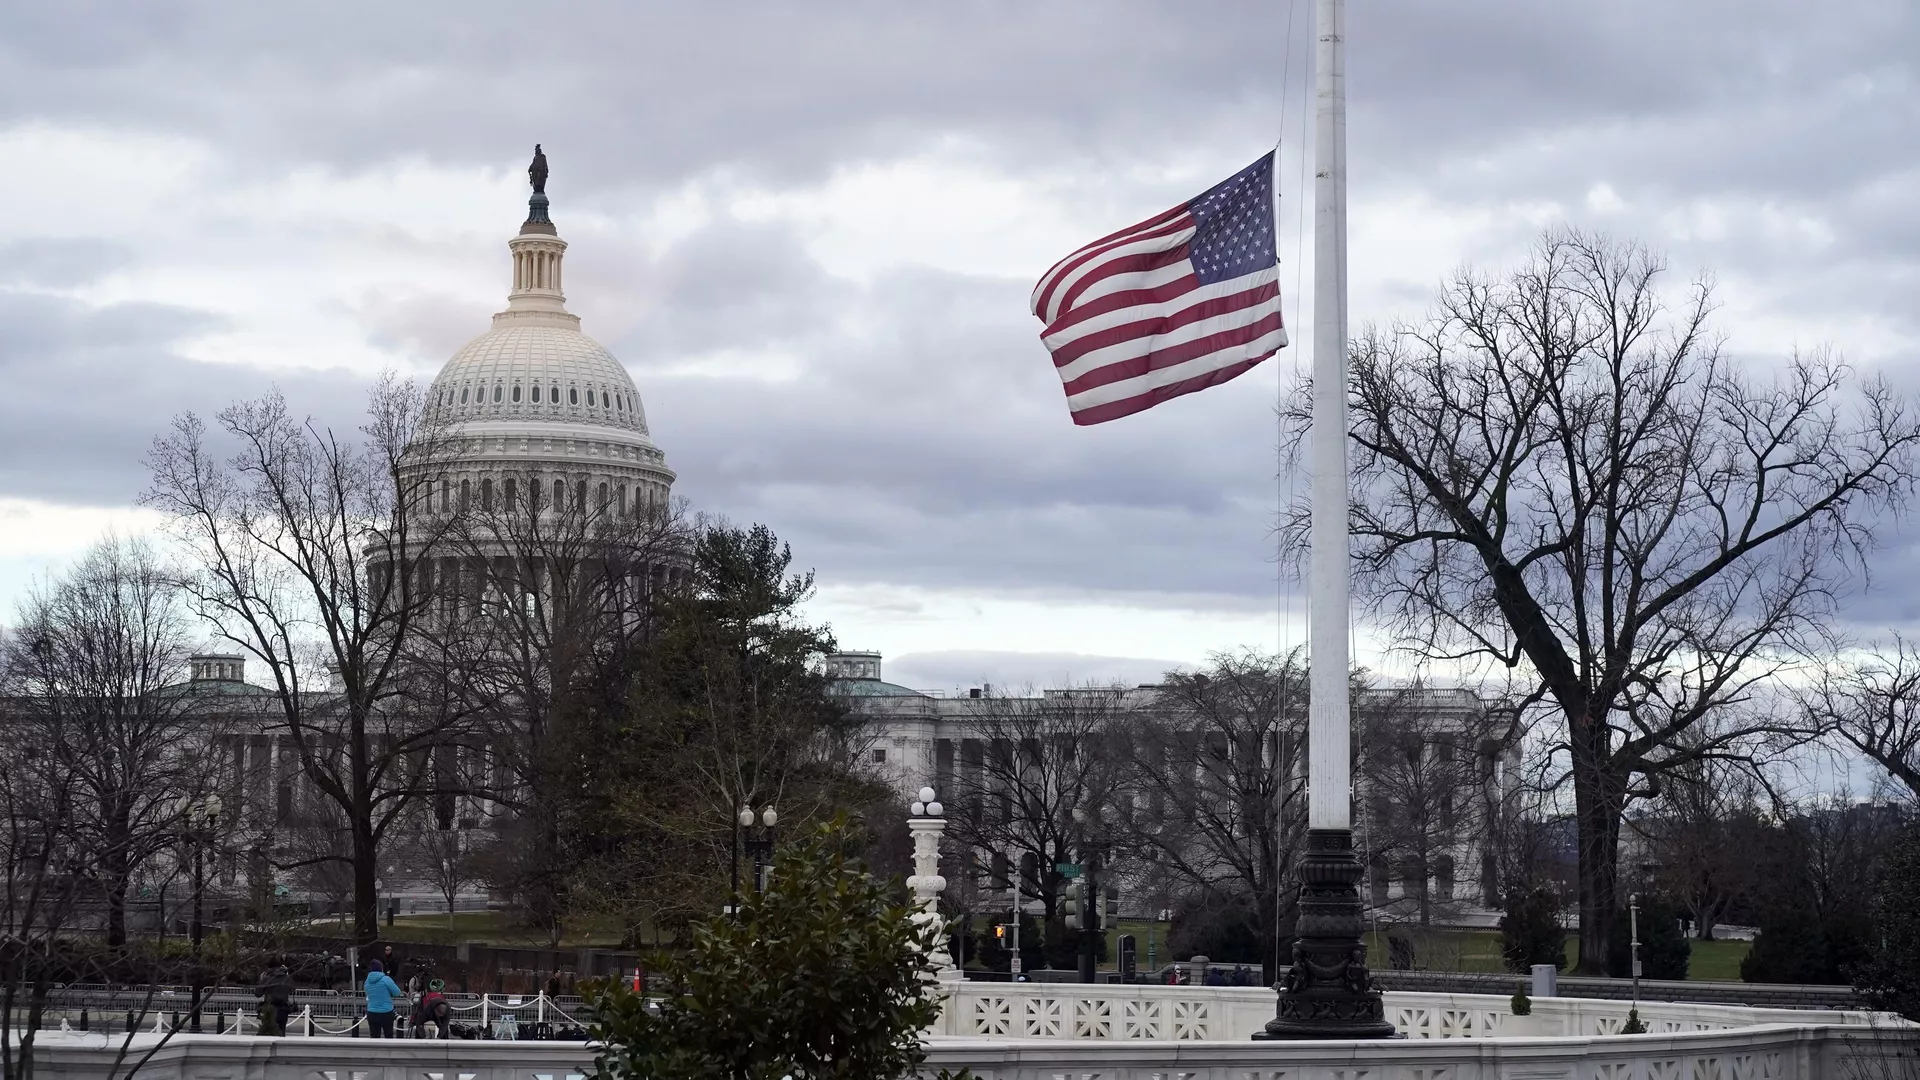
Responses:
[446,496]
[573,395]
[536,393]
[580,497]
[516,393]
[507,494]
[466,493]
[559,495]
[553,393]
[496,393]
[589,399]
[463,395]
[603,497]
[486,494]
[620,502]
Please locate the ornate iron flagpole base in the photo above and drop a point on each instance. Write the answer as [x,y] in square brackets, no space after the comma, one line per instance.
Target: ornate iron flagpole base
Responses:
[1328,993]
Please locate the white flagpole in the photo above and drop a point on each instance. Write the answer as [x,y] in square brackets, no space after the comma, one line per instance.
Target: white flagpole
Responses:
[1329,723]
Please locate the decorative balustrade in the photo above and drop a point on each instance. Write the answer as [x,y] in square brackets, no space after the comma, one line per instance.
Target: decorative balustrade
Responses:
[1199,1014]
[1065,1031]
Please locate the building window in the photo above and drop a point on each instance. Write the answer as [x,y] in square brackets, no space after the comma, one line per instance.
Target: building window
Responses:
[516,393]
[580,497]
[507,494]
[553,393]
[463,395]
[559,495]
[466,493]
[1443,877]
[536,393]
[589,399]
[486,494]
[879,757]
[496,393]
[446,495]
[602,505]
[573,395]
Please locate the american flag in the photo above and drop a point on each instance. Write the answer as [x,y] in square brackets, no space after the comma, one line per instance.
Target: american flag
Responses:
[1182,301]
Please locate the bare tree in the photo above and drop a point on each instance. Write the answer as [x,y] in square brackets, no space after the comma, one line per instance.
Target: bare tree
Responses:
[1557,472]
[1029,763]
[1213,789]
[443,855]
[312,555]
[1872,704]
[1702,834]
[552,584]
[1427,772]
[97,672]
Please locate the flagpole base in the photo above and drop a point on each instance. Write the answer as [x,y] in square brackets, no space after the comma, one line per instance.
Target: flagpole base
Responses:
[1328,993]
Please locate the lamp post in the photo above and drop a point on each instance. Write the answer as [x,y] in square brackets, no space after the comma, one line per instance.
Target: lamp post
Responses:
[1090,928]
[202,816]
[927,825]
[759,844]
[1633,925]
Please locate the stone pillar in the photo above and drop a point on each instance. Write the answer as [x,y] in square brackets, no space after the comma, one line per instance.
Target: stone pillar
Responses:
[927,825]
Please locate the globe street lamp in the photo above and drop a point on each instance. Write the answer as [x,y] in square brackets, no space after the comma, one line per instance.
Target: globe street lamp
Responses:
[760,843]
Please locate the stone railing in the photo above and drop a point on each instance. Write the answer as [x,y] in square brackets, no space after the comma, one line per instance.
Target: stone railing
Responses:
[1104,1032]
[1766,1052]
[1103,1011]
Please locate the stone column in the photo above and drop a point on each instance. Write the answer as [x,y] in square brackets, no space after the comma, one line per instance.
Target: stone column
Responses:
[927,825]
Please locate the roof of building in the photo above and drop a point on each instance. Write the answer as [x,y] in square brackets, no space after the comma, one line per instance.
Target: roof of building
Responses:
[872,688]
[533,375]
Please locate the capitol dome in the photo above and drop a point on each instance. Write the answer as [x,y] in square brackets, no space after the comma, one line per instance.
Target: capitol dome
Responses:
[536,401]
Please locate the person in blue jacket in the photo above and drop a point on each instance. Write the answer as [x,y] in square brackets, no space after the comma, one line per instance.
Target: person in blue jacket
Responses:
[381,992]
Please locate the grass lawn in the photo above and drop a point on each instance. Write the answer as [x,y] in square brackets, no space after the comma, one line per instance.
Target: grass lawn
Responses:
[489,928]
[1479,951]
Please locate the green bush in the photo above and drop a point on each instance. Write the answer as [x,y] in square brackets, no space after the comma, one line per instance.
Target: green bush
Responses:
[1664,949]
[824,975]
[1522,1004]
[1530,930]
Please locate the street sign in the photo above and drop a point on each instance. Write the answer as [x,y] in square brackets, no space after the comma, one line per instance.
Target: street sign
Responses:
[1016,965]
[1067,869]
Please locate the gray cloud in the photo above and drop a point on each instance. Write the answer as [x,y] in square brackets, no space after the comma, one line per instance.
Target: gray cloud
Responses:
[87,389]
[932,447]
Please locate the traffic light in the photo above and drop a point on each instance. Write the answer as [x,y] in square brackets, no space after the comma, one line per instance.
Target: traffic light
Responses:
[1000,933]
[1076,905]
[1110,909]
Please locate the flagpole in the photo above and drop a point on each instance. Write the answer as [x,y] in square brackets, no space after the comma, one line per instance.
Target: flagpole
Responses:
[1328,993]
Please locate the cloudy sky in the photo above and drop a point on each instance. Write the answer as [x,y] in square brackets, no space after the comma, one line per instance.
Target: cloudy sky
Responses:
[810,229]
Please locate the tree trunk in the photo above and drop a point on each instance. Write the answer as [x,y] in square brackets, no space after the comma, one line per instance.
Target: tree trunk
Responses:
[1598,804]
[366,897]
[116,888]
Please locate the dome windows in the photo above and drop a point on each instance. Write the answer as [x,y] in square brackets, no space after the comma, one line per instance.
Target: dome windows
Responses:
[553,393]
[516,393]
[463,395]
[573,395]
[496,393]
[536,393]
[589,399]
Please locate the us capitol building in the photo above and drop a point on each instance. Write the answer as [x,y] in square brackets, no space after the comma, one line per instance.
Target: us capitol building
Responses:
[542,417]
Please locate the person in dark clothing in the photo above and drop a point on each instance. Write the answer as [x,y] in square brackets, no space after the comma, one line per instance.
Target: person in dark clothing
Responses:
[276,998]
[553,985]
[433,1008]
